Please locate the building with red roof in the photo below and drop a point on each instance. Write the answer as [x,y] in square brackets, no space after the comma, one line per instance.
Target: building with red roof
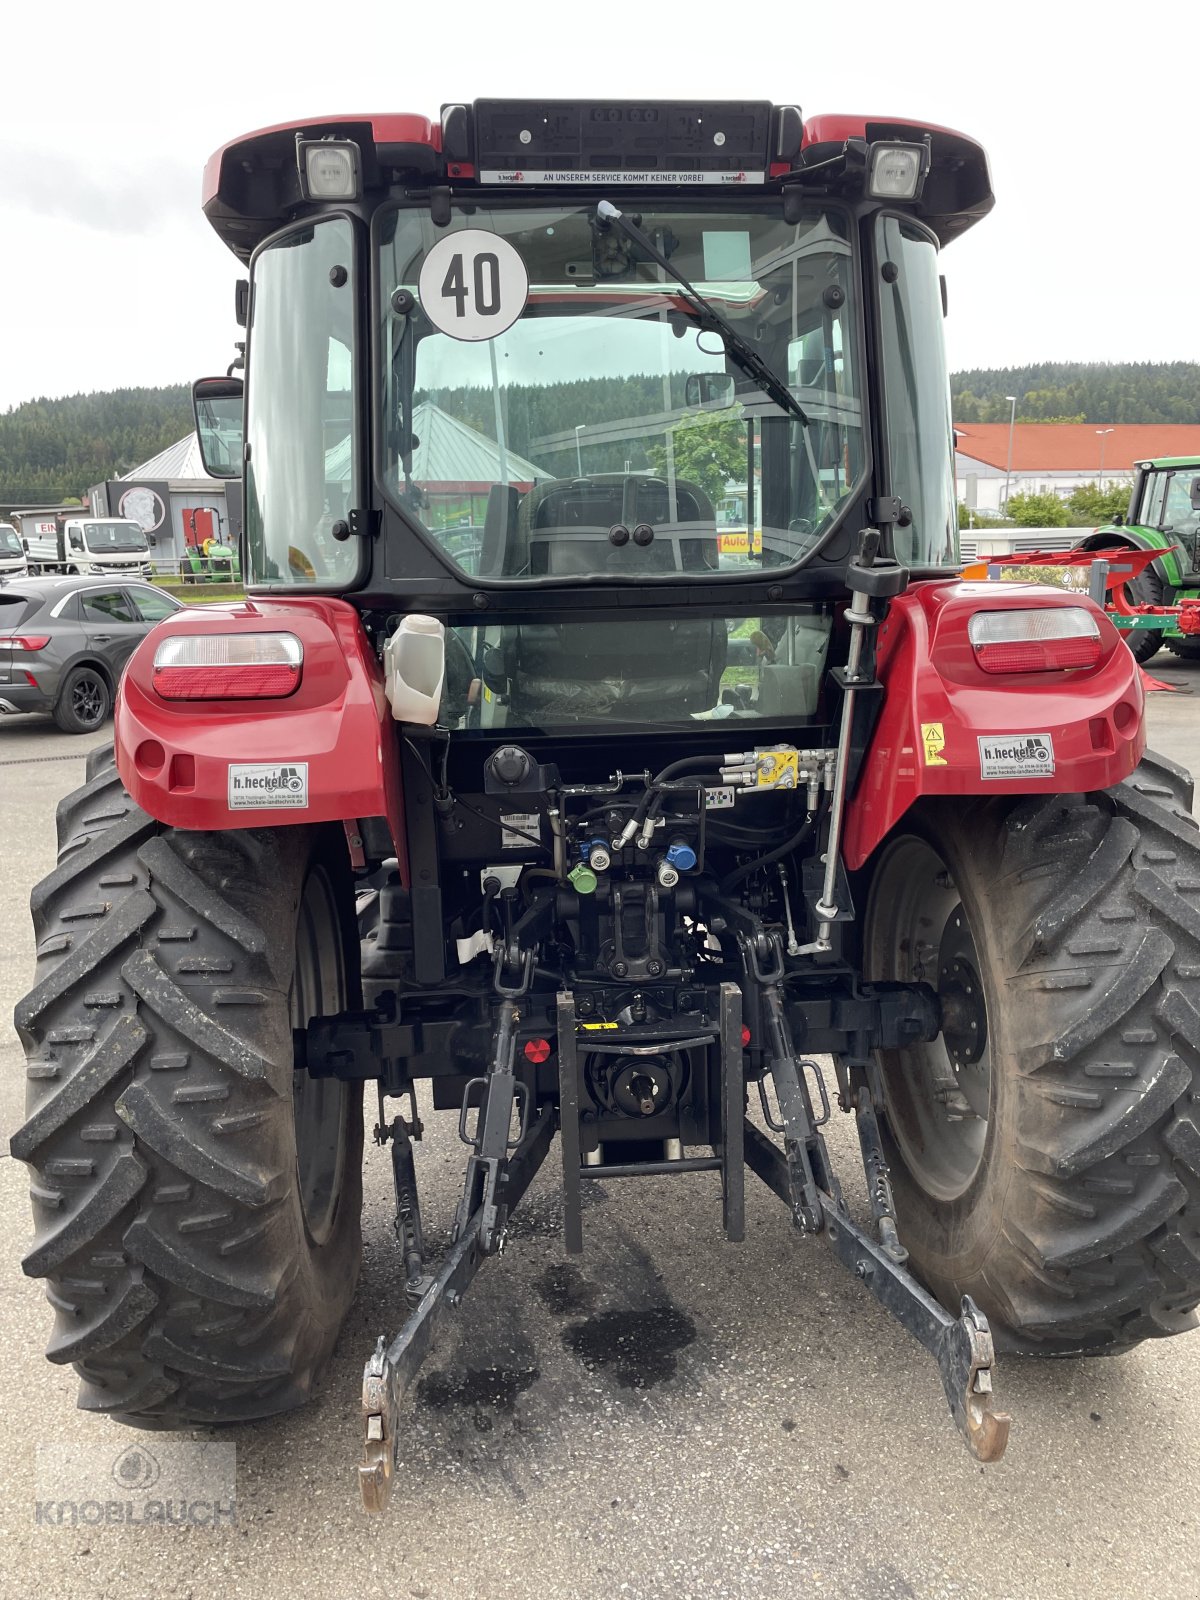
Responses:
[1056,457]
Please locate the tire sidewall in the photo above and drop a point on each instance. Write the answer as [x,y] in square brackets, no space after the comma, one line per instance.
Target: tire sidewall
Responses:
[332,1262]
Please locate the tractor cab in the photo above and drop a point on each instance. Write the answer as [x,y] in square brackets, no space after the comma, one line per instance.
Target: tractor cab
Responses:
[520,373]
[537,359]
[1165,500]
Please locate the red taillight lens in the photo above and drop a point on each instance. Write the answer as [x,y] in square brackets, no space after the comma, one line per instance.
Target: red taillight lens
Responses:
[228,666]
[1055,639]
[24,641]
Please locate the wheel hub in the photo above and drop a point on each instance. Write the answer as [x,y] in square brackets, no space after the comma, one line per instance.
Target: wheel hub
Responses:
[964,1016]
[938,1092]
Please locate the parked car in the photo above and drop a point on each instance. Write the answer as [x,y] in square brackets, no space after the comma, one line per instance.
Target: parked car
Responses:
[64,643]
[12,552]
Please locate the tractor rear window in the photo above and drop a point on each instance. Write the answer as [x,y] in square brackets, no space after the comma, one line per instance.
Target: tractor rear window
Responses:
[556,674]
[552,407]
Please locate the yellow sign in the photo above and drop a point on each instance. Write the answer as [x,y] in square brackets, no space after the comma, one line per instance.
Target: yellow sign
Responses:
[934,739]
[740,543]
[595,1027]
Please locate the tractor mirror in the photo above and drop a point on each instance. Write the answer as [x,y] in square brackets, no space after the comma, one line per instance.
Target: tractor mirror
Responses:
[217,403]
[1195,494]
[713,389]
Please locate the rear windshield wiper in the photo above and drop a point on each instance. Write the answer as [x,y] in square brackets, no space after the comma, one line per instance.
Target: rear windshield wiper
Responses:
[738,349]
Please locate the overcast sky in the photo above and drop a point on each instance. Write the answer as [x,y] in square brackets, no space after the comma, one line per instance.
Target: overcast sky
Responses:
[109,275]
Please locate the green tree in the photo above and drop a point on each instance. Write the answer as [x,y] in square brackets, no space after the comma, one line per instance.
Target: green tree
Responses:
[1037,511]
[709,451]
[1091,505]
[969,517]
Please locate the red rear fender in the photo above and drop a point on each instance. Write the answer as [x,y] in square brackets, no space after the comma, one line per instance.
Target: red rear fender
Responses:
[322,754]
[947,727]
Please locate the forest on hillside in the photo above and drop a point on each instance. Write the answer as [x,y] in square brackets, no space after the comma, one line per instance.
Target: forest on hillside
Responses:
[1080,391]
[53,450]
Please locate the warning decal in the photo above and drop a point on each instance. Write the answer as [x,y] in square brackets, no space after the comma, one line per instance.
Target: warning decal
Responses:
[1016,755]
[933,738]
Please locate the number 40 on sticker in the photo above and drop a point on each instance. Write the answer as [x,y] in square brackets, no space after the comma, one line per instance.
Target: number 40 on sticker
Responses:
[473,285]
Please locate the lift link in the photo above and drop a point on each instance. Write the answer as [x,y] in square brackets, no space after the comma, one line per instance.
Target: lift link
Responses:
[879,1184]
[804,1148]
[493,1141]
[961,1346]
[498,1173]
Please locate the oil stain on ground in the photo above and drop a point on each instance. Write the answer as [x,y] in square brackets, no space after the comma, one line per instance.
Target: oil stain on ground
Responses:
[639,1348]
[564,1290]
[485,1391]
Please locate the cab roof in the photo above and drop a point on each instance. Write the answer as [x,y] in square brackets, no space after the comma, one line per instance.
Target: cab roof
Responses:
[252,185]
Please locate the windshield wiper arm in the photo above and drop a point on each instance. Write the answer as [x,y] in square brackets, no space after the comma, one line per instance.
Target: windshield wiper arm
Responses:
[738,349]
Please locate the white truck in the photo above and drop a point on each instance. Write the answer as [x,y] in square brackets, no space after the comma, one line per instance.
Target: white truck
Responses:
[12,553]
[80,542]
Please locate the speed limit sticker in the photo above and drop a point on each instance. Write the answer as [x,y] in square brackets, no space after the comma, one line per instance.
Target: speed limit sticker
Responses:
[473,285]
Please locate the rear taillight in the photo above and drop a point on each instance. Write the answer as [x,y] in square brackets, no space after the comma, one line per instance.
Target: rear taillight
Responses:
[24,641]
[1054,639]
[228,666]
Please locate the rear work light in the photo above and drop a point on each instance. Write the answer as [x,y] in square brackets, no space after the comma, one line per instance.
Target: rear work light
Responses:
[228,666]
[24,641]
[897,171]
[328,168]
[1056,639]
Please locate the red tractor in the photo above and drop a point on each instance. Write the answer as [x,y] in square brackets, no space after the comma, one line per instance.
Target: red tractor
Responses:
[510,778]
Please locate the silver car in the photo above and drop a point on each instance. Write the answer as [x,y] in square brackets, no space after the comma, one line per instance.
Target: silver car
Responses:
[64,643]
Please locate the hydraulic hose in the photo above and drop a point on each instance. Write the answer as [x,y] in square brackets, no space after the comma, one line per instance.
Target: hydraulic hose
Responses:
[740,874]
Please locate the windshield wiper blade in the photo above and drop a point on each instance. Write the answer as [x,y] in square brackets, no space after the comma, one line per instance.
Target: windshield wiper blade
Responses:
[738,349]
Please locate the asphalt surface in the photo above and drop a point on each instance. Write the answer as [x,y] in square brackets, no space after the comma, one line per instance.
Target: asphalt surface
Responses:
[667,1415]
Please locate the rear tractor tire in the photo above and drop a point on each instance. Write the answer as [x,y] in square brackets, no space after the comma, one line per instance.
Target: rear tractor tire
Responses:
[1186,649]
[1144,590]
[197,1202]
[1045,1150]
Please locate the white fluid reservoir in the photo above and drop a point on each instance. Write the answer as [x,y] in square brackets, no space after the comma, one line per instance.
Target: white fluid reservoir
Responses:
[414,663]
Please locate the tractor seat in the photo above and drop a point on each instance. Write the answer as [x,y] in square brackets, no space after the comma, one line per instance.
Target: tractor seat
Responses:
[563,527]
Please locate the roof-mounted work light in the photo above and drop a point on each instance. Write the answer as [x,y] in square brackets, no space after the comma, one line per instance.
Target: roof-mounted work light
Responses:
[897,171]
[328,168]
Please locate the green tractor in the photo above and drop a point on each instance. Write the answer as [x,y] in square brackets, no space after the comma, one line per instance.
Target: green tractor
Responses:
[213,561]
[1164,514]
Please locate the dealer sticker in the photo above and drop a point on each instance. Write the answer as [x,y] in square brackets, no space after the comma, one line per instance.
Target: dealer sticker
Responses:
[1016,755]
[267,785]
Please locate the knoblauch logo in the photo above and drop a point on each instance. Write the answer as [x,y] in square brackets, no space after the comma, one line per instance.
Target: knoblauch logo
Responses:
[136,1468]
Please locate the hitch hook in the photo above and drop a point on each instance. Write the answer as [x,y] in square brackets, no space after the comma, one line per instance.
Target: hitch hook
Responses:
[965,1357]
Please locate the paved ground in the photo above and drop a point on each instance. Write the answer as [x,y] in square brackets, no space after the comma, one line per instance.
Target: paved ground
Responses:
[787,1439]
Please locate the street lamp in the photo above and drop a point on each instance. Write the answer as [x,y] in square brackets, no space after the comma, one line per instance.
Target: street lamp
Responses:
[1102,434]
[1012,418]
[579,427]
